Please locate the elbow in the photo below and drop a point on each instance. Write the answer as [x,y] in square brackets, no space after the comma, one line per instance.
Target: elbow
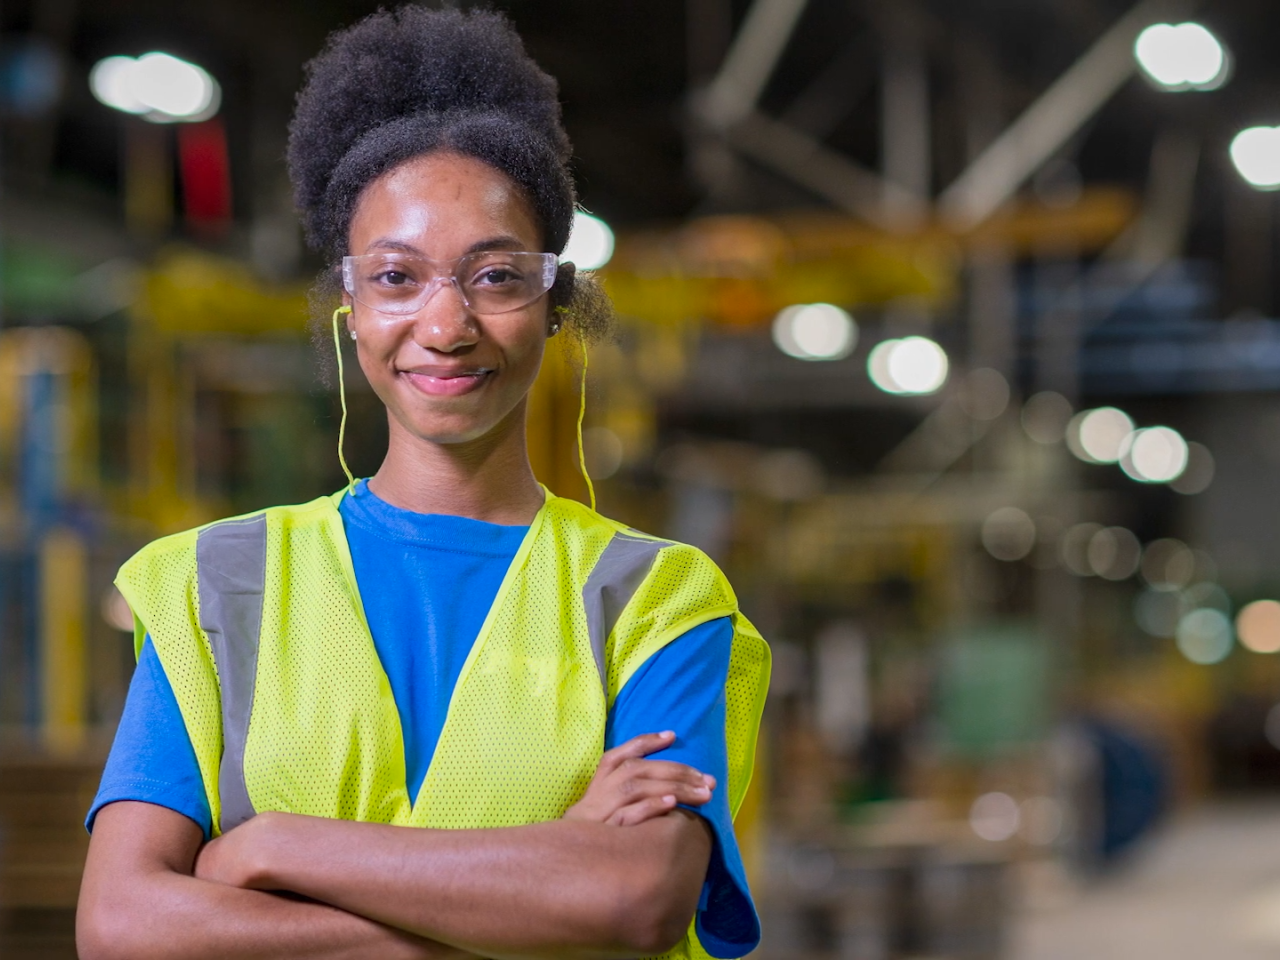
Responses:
[103,935]
[118,928]
[656,927]
[661,933]
[654,911]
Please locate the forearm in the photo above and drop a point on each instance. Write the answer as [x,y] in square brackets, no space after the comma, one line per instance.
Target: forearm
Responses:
[172,916]
[139,901]
[557,889]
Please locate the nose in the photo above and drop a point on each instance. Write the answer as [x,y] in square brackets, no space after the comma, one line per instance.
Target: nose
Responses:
[444,324]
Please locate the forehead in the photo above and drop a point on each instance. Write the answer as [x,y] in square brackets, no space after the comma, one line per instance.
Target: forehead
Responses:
[442,204]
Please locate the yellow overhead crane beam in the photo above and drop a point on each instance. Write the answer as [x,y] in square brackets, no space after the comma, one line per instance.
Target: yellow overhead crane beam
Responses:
[738,271]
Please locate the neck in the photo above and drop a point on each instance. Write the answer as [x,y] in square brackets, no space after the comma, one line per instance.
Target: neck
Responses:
[488,478]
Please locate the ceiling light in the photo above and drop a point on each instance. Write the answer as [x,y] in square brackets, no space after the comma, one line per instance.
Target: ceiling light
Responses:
[1154,455]
[815,331]
[1183,56]
[1204,636]
[1256,154]
[590,244]
[914,365]
[157,86]
[1258,626]
[1098,436]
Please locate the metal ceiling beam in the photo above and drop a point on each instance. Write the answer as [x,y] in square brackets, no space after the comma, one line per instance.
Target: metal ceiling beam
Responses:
[1159,233]
[1054,118]
[847,185]
[906,150]
[751,60]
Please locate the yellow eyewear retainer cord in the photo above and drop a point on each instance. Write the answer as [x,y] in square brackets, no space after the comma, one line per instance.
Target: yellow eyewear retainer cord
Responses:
[582,413]
[342,395]
[342,424]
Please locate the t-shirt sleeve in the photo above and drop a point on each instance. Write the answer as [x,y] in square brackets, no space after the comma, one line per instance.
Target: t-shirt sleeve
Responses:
[682,688]
[152,759]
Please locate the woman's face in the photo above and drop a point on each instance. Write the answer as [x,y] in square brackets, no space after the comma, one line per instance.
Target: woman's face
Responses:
[447,374]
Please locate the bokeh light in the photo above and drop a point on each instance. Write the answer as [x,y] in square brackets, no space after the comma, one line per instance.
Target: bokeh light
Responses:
[1042,820]
[1074,548]
[1204,636]
[1256,154]
[1198,474]
[995,817]
[912,365]
[789,476]
[1271,726]
[1184,56]
[159,87]
[1114,553]
[1206,594]
[1168,564]
[1045,417]
[985,393]
[1157,612]
[590,244]
[815,331]
[1098,436]
[109,81]
[1008,534]
[604,452]
[1154,455]
[1258,626]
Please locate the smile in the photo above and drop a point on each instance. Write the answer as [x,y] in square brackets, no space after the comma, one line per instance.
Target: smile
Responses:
[446,384]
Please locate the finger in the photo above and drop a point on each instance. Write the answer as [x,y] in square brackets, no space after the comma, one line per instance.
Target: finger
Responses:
[637,788]
[647,809]
[665,770]
[634,748]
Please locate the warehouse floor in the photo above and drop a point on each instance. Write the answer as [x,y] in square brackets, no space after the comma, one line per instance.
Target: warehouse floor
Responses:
[1208,886]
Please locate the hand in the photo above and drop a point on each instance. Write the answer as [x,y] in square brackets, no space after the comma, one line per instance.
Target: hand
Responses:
[235,857]
[627,790]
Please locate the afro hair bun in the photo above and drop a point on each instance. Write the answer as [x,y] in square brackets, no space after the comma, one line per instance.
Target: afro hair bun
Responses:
[400,83]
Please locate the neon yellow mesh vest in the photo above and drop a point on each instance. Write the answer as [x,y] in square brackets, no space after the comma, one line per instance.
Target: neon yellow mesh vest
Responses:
[261,632]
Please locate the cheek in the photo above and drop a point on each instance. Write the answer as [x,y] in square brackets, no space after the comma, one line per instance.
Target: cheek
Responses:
[525,355]
[523,341]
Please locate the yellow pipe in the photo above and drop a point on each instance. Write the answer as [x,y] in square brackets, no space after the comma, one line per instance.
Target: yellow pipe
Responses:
[64,588]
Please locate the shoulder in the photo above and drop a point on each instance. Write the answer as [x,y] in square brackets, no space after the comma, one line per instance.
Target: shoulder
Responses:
[664,558]
[171,562]
[175,545]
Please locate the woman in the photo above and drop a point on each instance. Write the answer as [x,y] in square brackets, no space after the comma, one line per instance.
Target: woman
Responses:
[411,719]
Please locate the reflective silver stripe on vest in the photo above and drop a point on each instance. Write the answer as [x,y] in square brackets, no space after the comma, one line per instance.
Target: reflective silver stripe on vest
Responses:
[231,561]
[612,583]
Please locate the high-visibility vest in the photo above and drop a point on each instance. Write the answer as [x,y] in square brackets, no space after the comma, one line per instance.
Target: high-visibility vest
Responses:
[259,626]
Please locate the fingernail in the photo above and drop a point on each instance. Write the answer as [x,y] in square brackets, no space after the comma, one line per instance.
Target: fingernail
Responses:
[667,733]
[669,799]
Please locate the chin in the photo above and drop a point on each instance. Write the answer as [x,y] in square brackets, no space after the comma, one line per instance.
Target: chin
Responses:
[451,431]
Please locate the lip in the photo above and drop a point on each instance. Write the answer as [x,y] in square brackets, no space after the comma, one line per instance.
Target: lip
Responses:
[446,383]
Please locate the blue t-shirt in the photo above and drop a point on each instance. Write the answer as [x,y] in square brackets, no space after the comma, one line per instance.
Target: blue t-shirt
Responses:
[427,582]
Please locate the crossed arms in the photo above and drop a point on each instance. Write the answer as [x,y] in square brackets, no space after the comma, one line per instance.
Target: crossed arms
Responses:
[618,876]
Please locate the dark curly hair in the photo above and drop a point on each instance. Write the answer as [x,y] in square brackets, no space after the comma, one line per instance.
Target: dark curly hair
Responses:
[407,82]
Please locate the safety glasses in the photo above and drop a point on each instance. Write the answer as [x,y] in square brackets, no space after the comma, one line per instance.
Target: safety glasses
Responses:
[494,281]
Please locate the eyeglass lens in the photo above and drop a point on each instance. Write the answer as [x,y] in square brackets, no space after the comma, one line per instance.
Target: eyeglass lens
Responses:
[489,281]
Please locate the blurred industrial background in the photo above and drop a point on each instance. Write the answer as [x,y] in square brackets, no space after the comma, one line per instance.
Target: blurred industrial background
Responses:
[947,327]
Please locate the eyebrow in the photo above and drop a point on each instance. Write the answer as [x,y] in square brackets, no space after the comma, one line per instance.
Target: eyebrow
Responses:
[491,243]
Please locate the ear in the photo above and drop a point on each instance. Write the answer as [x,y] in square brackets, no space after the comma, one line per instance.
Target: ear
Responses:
[556,320]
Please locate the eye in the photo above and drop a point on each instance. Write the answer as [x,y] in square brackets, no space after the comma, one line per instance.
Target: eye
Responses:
[392,277]
[497,275]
